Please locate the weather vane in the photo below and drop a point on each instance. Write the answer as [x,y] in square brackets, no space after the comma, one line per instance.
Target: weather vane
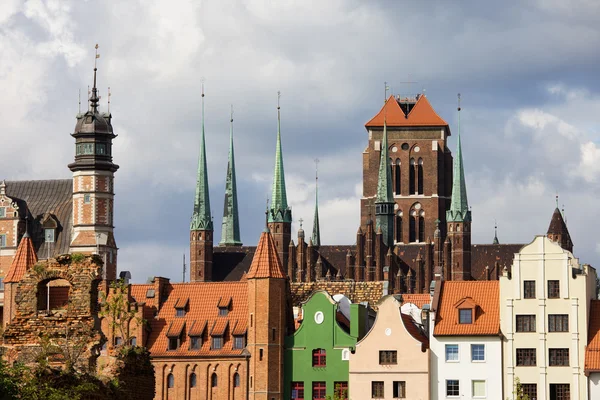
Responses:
[97,55]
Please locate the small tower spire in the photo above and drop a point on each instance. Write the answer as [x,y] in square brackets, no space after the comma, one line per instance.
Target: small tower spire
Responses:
[230,233]
[384,202]
[459,206]
[94,99]
[316,234]
[280,211]
[496,241]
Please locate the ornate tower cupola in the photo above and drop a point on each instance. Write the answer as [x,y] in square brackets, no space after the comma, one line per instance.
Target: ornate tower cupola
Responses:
[201,227]
[280,215]
[316,233]
[93,190]
[230,233]
[384,203]
[458,217]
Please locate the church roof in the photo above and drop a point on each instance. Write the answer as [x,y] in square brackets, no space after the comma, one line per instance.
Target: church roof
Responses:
[230,228]
[265,263]
[25,257]
[280,212]
[558,225]
[421,114]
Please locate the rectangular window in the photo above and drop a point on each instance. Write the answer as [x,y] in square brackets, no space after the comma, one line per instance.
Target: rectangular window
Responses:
[399,389]
[553,289]
[451,352]
[525,323]
[558,357]
[2,212]
[101,148]
[217,342]
[530,390]
[223,311]
[319,358]
[340,390]
[2,240]
[173,343]
[1,284]
[297,390]
[377,390]
[452,387]
[238,342]
[558,323]
[87,198]
[49,235]
[526,357]
[560,391]
[319,390]
[478,388]
[195,342]
[387,357]
[529,289]
[180,312]
[465,316]
[478,352]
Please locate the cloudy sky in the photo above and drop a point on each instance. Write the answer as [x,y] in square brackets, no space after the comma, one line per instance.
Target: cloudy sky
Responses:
[527,72]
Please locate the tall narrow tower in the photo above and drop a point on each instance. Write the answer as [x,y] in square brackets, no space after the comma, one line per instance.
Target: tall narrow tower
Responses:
[201,227]
[384,201]
[459,218]
[280,215]
[93,185]
[316,233]
[230,233]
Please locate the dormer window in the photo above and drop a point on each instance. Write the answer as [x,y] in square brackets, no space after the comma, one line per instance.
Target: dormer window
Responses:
[181,307]
[49,235]
[224,304]
[217,343]
[465,316]
[239,342]
[180,312]
[466,309]
[174,334]
[195,342]
[223,311]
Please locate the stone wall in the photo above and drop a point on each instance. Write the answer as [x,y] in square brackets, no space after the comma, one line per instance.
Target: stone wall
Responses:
[357,292]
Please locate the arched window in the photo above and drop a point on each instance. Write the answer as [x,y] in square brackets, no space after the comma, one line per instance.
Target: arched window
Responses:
[398,177]
[411,181]
[399,226]
[193,380]
[422,226]
[213,380]
[170,381]
[420,176]
[412,234]
[236,380]
[391,164]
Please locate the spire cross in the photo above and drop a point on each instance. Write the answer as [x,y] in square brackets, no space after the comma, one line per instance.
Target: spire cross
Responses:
[301,221]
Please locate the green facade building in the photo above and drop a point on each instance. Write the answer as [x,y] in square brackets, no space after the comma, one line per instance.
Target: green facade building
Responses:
[316,360]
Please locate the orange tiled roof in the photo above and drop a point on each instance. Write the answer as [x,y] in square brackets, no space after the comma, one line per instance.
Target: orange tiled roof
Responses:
[25,257]
[202,310]
[239,328]
[592,351]
[138,292]
[422,114]
[485,294]
[176,327]
[265,263]
[182,303]
[418,299]
[224,301]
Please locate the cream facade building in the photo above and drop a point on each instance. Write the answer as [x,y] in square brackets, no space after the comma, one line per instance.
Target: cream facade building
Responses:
[392,360]
[544,303]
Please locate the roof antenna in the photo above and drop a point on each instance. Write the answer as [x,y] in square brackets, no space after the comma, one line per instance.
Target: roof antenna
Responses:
[300,220]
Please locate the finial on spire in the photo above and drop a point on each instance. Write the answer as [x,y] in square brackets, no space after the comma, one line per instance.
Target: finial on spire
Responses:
[301,221]
[79,101]
[278,98]
[231,114]
[556,200]
[108,100]
[458,103]
[386,88]
[94,98]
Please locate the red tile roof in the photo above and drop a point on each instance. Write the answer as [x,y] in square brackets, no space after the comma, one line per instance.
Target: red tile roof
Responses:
[176,327]
[24,259]
[220,327]
[265,263]
[417,299]
[411,327]
[422,114]
[592,351]
[202,310]
[484,294]
[138,292]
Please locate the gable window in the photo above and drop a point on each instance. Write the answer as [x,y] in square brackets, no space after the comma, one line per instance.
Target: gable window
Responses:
[377,391]
[173,343]
[558,357]
[525,323]
[553,289]
[217,342]
[319,390]
[558,323]
[451,352]
[223,311]
[478,388]
[465,316]
[387,357]
[195,342]
[340,390]
[239,342]
[399,389]
[2,240]
[526,357]
[452,387]
[319,358]
[193,380]
[478,352]
[170,381]
[297,390]
[529,289]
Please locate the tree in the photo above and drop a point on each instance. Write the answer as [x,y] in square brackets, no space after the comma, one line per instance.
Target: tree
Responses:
[116,309]
[518,390]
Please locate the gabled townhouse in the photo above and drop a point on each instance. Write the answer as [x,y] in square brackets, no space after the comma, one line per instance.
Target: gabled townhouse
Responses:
[392,360]
[545,300]
[592,351]
[317,354]
[465,342]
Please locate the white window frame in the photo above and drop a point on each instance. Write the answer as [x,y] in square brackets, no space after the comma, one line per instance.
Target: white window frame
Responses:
[473,388]
[457,353]
[478,344]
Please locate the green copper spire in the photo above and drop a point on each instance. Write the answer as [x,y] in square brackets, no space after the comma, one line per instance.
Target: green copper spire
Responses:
[230,233]
[384,184]
[201,218]
[316,233]
[280,212]
[459,207]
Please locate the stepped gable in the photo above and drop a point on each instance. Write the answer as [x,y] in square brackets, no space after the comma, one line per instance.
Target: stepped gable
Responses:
[25,257]
[484,295]
[592,351]
[201,317]
[54,197]
[421,114]
[492,255]
[231,263]
[266,263]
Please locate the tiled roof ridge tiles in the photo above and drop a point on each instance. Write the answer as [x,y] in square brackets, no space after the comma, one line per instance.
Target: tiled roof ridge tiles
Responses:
[422,114]
[266,263]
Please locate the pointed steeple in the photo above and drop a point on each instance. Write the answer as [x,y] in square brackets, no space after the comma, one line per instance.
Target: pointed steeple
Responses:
[496,241]
[25,258]
[280,212]
[459,206]
[558,231]
[201,218]
[230,233]
[316,233]
[384,183]
[94,99]
[266,263]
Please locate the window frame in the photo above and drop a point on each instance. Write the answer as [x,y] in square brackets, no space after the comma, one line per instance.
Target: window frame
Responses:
[216,343]
[223,311]
[464,311]
[473,381]
[321,386]
[524,356]
[196,342]
[553,291]
[171,341]
[2,212]
[524,320]
[557,386]
[527,389]
[237,339]
[297,386]
[236,380]
[180,312]
[319,358]
[455,387]
[560,358]
[473,352]
[340,389]
[2,240]
[399,389]
[87,198]
[377,389]
[555,320]
[388,357]
[446,347]
[527,290]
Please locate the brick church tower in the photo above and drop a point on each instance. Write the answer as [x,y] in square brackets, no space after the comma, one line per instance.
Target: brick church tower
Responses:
[201,227]
[420,167]
[93,185]
[267,321]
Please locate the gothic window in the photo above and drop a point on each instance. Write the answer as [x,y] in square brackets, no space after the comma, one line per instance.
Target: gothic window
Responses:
[420,176]
[236,380]
[412,237]
[193,380]
[213,380]
[397,177]
[421,219]
[411,181]
[170,381]
[391,164]
[399,226]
